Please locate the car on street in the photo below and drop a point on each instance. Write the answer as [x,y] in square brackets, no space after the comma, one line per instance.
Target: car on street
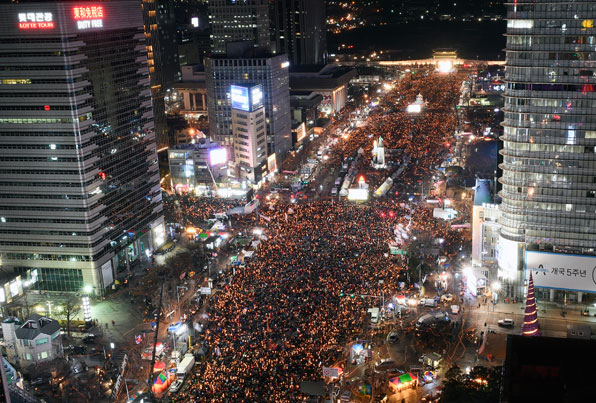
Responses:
[40,381]
[447,297]
[384,364]
[505,322]
[89,339]
[176,385]
[77,350]
[345,396]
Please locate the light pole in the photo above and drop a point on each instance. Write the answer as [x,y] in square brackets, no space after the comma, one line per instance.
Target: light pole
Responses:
[87,304]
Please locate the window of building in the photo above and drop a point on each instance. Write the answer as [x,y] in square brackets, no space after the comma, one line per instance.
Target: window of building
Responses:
[45,340]
[44,355]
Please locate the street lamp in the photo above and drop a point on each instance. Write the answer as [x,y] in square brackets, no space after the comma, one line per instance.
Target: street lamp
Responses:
[86,308]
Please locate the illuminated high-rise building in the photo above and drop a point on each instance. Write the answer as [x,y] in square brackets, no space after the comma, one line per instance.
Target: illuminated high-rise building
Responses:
[548,210]
[233,21]
[248,128]
[245,65]
[299,29]
[294,27]
[162,57]
[80,198]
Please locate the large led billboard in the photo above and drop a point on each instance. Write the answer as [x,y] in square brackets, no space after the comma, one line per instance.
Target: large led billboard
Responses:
[218,156]
[239,97]
[357,194]
[256,97]
[562,271]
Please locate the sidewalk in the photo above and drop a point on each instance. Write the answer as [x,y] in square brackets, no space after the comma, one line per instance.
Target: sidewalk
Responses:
[547,309]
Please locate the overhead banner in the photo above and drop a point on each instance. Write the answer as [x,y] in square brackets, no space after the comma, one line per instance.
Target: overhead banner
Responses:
[562,271]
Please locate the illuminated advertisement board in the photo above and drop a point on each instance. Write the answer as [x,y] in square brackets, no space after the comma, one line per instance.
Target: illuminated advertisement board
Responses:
[218,156]
[88,16]
[414,108]
[508,257]
[271,163]
[357,194]
[561,271]
[36,20]
[256,97]
[239,97]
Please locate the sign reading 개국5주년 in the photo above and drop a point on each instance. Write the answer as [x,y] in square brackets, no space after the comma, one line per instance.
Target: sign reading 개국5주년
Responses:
[559,270]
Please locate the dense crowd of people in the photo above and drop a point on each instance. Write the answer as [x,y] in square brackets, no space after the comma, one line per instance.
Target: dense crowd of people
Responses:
[306,291]
[188,210]
[424,137]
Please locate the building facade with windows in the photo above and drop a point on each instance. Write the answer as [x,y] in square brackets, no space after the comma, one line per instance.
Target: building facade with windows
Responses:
[248,128]
[37,340]
[299,29]
[248,65]
[80,197]
[233,21]
[549,148]
[162,58]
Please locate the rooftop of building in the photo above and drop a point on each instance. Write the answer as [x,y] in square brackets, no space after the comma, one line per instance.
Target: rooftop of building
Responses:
[244,50]
[36,325]
[320,70]
[12,319]
[539,368]
[305,98]
[201,144]
[316,76]
[482,193]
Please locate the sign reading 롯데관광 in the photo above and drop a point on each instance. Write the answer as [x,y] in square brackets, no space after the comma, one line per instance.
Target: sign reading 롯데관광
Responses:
[559,270]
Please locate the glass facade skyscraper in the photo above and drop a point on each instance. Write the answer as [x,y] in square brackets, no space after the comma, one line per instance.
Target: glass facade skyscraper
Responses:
[549,141]
[79,180]
[232,21]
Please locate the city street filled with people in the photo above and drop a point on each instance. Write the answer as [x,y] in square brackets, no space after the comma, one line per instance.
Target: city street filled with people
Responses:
[305,293]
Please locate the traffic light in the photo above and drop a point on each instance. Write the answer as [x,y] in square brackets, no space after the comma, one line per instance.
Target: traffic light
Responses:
[341,293]
[351,295]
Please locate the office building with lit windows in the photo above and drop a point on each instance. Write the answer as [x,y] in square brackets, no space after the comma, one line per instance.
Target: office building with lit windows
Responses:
[233,21]
[162,57]
[294,27]
[248,128]
[241,65]
[548,209]
[80,198]
[299,29]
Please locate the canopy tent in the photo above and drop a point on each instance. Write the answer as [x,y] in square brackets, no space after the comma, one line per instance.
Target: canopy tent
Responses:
[159,366]
[161,384]
[404,381]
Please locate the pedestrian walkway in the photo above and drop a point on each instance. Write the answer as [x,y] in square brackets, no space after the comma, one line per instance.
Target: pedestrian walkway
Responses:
[547,309]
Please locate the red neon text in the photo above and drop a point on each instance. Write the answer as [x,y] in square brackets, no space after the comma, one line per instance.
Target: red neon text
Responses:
[36,25]
[84,13]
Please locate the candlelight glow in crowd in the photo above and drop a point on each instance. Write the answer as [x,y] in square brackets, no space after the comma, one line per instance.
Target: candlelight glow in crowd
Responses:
[305,293]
